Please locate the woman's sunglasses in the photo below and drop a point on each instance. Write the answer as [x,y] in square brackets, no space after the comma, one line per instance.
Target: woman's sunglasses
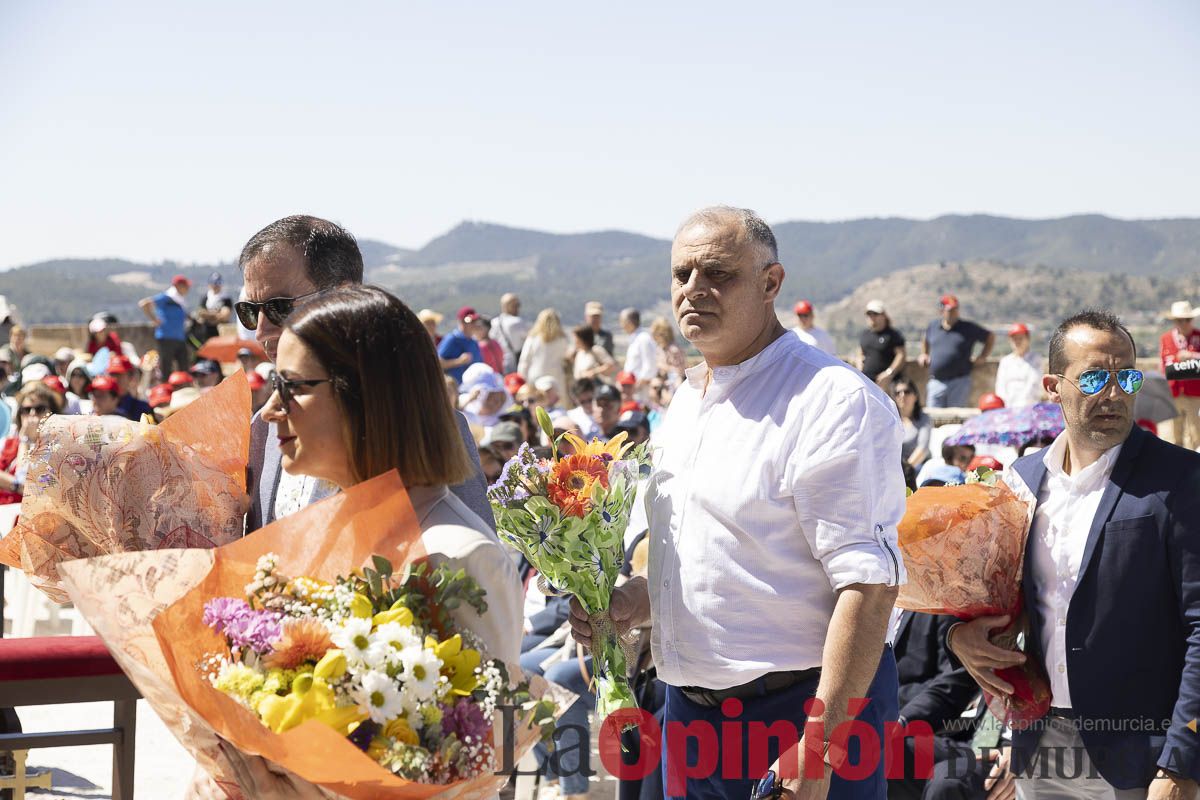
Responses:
[287,388]
[1092,382]
[277,309]
[39,410]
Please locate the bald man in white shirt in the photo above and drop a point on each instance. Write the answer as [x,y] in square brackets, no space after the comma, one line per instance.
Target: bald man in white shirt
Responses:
[773,511]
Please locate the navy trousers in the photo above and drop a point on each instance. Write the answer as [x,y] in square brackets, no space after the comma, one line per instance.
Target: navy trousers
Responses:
[744,767]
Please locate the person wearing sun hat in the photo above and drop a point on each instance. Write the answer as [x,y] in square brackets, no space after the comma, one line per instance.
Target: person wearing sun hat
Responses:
[1182,343]
[1019,374]
[169,313]
[807,330]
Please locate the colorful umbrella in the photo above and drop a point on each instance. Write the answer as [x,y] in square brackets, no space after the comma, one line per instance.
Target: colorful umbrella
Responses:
[225,348]
[1013,427]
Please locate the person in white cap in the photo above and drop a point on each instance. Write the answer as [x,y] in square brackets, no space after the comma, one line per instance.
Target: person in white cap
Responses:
[593,312]
[1182,343]
[881,347]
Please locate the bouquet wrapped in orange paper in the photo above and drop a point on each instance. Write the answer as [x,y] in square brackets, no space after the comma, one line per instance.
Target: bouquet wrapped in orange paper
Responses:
[100,485]
[964,550]
[148,608]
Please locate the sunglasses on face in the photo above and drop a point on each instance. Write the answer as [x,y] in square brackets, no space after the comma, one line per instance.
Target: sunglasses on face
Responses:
[1092,381]
[287,387]
[35,410]
[277,309]
[902,392]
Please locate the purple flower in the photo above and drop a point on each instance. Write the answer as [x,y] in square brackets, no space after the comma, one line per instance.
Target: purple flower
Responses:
[221,612]
[242,626]
[464,719]
[258,630]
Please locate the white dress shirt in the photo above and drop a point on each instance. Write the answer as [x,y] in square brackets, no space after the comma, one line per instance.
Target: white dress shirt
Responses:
[641,357]
[1019,379]
[1066,507]
[775,485]
[816,337]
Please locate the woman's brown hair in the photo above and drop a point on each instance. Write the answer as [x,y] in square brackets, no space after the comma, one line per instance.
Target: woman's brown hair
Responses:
[389,383]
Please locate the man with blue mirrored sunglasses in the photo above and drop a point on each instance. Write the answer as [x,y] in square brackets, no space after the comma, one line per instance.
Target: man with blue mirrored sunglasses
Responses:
[1111,587]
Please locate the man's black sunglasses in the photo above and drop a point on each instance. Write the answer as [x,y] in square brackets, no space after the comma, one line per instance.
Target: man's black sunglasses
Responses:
[277,309]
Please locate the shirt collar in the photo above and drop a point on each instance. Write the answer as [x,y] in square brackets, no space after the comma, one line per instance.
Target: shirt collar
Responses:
[698,376]
[1092,475]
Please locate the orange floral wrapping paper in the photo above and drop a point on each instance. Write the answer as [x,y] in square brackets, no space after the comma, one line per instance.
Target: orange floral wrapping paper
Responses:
[964,551]
[147,607]
[102,485]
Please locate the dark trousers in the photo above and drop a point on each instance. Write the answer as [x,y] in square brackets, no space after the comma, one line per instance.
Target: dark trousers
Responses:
[172,356]
[783,706]
[956,774]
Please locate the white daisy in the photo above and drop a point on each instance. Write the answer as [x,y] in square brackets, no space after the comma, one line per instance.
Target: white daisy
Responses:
[355,639]
[379,696]
[395,637]
[421,672]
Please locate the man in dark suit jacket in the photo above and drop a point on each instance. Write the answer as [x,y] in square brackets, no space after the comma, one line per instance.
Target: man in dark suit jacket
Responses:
[933,689]
[1113,595]
[291,259]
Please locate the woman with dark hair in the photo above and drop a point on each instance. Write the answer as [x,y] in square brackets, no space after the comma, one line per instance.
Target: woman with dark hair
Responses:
[359,391]
[917,425]
[590,359]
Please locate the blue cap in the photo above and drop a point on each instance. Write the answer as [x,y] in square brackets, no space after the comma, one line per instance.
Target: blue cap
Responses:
[944,474]
[632,420]
[215,279]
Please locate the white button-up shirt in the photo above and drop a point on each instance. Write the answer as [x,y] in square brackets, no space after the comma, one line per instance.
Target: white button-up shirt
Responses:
[641,358]
[777,483]
[1066,507]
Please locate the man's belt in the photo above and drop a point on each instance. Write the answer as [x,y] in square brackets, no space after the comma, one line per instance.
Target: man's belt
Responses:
[1183,370]
[759,687]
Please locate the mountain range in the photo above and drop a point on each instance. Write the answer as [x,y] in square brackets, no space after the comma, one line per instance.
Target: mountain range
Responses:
[475,262]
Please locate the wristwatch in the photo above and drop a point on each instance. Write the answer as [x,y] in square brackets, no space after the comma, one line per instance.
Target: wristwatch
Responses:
[769,787]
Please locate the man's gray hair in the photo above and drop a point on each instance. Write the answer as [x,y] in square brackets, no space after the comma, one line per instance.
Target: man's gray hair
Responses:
[633,315]
[757,230]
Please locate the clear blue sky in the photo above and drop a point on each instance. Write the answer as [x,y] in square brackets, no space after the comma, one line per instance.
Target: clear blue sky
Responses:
[154,130]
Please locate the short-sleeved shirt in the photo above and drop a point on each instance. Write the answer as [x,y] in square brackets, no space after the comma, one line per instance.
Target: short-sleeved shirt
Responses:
[173,317]
[879,348]
[950,350]
[454,345]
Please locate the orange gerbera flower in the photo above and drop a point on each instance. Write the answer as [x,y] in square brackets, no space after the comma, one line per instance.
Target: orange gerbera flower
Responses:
[302,640]
[570,484]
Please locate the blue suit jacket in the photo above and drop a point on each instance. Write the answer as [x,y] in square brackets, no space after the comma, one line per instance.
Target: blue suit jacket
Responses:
[1133,623]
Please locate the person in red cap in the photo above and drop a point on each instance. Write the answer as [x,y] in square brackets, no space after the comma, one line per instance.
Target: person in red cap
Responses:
[160,395]
[260,390]
[808,332]
[627,384]
[121,370]
[70,401]
[1019,374]
[513,382]
[104,393]
[169,313]
[947,350]
[459,349]
[179,379]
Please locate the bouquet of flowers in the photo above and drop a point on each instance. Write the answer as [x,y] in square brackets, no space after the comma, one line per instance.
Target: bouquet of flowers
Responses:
[300,644]
[964,550]
[100,485]
[374,656]
[567,515]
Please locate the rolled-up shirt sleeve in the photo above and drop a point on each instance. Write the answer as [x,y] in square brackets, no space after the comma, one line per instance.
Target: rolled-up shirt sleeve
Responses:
[848,486]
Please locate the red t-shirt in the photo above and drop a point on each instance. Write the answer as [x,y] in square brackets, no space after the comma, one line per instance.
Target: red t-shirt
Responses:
[1170,344]
[493,355]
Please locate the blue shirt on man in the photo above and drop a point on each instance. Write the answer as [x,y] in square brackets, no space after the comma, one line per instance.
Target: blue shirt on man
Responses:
[454,345]
[173,317]
[950,350]
[131,408]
